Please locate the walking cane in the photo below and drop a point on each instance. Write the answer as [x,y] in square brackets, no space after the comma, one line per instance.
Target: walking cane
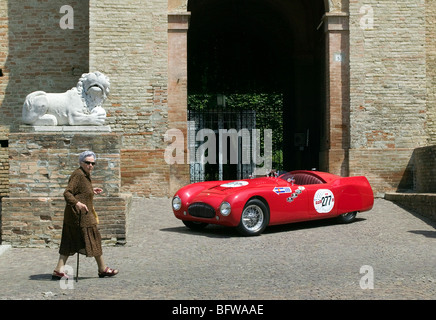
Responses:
[77,266]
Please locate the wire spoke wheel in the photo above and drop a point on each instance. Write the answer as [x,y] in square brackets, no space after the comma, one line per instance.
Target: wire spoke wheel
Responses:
[254,218]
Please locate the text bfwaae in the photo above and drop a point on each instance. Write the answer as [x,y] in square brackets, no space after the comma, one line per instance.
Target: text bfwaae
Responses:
[233,309]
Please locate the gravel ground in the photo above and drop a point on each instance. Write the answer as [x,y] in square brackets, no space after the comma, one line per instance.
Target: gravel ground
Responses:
[387,253]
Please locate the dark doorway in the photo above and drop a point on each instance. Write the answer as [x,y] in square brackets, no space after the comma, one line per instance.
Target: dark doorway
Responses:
[265,47]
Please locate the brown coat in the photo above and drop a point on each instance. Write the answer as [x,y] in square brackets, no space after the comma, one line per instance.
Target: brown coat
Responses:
[79,189]
[85,239]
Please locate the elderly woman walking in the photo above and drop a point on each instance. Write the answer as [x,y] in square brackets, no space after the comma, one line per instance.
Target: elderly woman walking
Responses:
[79,231]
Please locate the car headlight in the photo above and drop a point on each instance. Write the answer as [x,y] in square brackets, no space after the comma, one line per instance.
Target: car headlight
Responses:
[177,203]
[225,208]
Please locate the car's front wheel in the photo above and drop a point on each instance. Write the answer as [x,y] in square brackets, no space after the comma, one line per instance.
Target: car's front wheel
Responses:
[347,217]
[194,225]
[254,218]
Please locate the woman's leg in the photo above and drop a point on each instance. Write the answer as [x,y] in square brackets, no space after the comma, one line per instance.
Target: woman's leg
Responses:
[103,271]
[100,263]
[61,263]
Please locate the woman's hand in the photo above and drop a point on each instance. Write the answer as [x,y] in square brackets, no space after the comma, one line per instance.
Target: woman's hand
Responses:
[81,207]
[98,190]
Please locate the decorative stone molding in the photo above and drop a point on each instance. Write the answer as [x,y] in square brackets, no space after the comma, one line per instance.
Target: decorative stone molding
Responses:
[336,21]
[178,21]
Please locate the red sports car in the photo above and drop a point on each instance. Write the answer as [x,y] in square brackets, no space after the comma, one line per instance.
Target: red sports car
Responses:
[253,204]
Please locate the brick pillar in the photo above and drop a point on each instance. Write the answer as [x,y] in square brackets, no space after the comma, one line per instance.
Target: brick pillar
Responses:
[178,24]
[334,156]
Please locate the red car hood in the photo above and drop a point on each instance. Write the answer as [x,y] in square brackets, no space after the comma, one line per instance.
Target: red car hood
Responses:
[216,190]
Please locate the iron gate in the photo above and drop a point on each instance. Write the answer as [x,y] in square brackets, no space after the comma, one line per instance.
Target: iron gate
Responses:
[233,147]
[250,119]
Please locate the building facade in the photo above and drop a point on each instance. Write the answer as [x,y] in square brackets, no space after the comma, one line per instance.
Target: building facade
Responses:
[359,75]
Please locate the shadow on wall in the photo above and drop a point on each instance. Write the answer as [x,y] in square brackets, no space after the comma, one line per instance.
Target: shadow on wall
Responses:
[407,181]
[420,174]
[46,51]
[417,190]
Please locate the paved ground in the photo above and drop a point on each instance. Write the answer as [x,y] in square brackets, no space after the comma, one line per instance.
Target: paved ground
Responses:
[317,260]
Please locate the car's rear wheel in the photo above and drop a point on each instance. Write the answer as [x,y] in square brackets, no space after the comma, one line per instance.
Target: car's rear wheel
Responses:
[254,218]
[347,217]
[195,225]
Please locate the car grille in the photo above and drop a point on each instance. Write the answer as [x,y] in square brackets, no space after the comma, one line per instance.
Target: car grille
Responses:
[201,210]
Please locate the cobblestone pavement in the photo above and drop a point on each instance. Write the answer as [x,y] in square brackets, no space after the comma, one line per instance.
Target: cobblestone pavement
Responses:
[312,260]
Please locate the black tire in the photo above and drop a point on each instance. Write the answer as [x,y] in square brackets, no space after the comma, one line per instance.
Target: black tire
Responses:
[194,225]
[254,218]
[347,217]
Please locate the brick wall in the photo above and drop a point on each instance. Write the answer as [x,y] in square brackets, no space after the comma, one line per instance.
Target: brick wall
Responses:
[144,173]
[37,54]
[431,69]
[387,170]
[420,196]
[388,67]
[424,169]
[4,49]
[4,162]
[131,48]
[40,165]
[392,75]
[388,107]
[37,222]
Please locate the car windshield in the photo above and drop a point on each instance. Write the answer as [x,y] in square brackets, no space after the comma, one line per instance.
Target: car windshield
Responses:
[288,176]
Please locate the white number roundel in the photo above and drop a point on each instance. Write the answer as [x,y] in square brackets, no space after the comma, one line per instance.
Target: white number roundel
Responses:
[234,184]
[323,201]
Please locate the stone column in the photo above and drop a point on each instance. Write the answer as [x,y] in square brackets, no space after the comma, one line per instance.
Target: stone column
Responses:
[178,24]
[334,156]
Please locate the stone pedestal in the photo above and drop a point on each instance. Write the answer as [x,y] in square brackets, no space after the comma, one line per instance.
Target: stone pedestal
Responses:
[60,129]
[41,162]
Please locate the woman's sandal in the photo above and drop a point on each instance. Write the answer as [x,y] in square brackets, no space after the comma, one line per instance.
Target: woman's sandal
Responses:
[59,275]
[108,272]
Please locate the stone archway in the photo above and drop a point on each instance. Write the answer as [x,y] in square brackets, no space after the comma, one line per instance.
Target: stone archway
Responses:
[335,140]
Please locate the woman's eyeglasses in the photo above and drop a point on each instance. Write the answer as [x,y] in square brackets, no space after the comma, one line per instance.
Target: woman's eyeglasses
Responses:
[89,162]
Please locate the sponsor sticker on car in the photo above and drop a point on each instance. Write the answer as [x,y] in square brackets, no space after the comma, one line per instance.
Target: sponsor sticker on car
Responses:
[280,190]
[323,201]
[296,194]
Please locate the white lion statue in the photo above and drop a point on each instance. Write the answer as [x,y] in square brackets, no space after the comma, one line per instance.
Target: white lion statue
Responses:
[78,106]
